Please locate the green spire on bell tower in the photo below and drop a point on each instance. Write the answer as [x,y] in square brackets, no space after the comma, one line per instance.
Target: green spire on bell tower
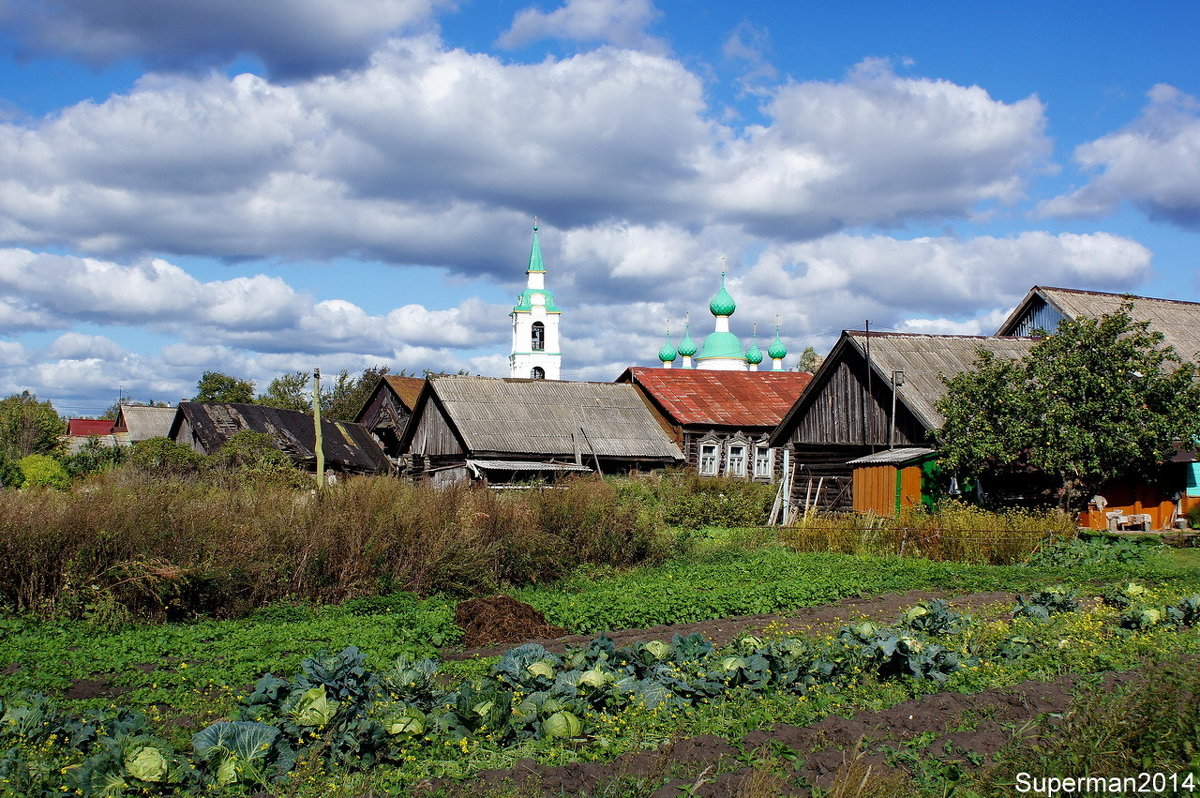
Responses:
[535,253]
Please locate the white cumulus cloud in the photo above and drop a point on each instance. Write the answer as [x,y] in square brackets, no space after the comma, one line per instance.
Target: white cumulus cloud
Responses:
[1153,163]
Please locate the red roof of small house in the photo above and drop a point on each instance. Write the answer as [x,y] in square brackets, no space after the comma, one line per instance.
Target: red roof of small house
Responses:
[86,427]
[720,398]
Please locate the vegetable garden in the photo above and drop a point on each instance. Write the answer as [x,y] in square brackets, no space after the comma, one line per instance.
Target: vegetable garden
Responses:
[238,707]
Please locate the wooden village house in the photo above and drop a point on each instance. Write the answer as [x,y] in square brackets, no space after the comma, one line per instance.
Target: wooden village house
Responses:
[348,447]
[1153,503]
[387,411]
[873,392]
[722,420]
[506,430]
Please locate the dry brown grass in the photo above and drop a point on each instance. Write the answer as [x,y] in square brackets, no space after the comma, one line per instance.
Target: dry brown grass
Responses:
[170,548]
[958,533]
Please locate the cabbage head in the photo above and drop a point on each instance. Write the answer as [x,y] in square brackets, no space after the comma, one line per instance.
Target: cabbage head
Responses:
[733,663]
[541,668]
[562,725]
[595,678]
[314,708]
[658,649]
[411,721]
[146,763]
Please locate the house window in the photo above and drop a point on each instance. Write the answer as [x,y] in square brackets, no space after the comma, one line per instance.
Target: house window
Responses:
[539,336]
[763,462]
[735,466]
[708,459]
[538,373]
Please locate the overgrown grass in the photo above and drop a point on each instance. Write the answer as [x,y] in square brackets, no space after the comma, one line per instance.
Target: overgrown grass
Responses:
[121,547]
[957,532]
[681,498]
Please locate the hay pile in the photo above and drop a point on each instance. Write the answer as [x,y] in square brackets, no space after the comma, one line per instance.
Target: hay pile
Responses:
[496,620]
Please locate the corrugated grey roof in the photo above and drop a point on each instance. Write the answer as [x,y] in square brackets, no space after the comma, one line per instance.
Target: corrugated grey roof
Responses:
[1178,321]
[892,456]
[146,422]
[544,417]
[924,359]
[524,465]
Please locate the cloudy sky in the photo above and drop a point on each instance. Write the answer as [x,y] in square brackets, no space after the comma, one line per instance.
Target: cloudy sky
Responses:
[264,187]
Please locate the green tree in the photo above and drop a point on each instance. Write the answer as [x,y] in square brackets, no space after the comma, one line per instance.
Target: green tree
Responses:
[217,387]
[809,360]
[292,391]
[93,457]
[43,471]
[347,394]
[1099,399]
[28,426]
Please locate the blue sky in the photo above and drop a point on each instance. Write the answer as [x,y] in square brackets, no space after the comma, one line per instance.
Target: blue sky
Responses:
[266,187]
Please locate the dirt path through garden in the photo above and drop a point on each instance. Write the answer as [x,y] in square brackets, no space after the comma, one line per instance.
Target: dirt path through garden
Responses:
[808,620]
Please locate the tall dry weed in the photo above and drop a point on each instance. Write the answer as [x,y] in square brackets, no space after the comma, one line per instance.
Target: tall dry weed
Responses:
[172,548]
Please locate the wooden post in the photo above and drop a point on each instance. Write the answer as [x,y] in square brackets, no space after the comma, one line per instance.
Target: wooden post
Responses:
[318,446]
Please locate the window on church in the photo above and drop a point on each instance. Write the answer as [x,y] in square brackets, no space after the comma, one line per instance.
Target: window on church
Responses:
[538,373]
[763,465]
[708,459]
[539,336]
[735,465]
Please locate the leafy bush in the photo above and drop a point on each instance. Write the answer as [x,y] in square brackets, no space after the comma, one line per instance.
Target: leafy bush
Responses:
[254,456]
[93,457]
[43,471]
[682,498]
[164,457]
[1093,551]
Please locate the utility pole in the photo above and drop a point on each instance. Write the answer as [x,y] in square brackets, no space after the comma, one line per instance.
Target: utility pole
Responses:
[319,447]
[897,381]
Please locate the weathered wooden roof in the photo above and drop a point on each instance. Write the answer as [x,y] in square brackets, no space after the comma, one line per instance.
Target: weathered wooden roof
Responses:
[548,418]
[924,359]
[892,456]
[1177,320]
[145,422]
[347,446]
[720,398]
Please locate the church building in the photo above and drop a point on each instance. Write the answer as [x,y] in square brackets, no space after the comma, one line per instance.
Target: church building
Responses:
[536,353]
[722,351]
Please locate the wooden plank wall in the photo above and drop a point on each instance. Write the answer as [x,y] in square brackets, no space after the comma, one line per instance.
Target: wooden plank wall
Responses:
[433,435]
[844,413]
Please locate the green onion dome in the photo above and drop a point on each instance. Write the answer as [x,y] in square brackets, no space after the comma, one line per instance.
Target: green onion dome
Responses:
[777,350]
[722,304]
[754,355]
[667,353]
[687,347]
[721,344]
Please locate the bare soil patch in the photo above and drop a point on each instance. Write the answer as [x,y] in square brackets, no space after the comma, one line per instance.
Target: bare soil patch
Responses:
[501,620]
[99,687]
[809,620]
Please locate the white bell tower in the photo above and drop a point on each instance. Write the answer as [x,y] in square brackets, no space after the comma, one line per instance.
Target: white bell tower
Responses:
[536,351]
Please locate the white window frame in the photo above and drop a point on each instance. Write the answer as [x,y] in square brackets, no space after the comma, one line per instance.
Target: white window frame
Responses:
[764,456]
[738,470]
[712,457]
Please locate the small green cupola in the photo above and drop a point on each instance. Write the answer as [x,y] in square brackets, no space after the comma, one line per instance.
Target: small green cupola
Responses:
[722,304]
[667,354]
[777,350]
[754,355]
[687,347]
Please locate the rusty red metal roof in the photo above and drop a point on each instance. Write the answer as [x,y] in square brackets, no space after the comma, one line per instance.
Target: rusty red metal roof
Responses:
[721,398]
[86,427]
[407,388]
